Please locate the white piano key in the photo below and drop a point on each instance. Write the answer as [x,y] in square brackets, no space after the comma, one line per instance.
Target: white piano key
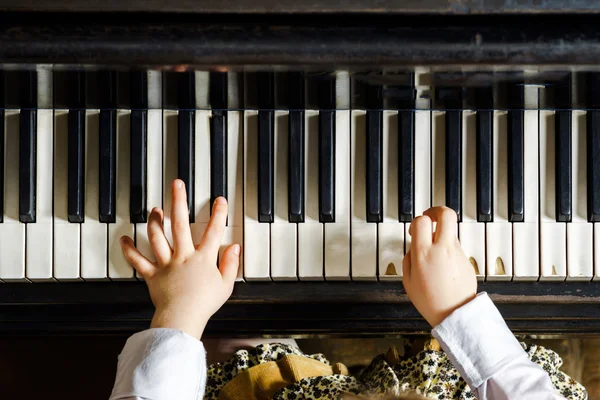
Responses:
[499,232]
[580,242]
[364,234]
[471,232]
[12,231]
[154,180]
[118,267]
[390,232]
[67,244]
[337,234]
[310,233]
[423,167]
[438,158]
[201,175]
[202,83]
[256,234]
[553,235]
[39,234]
[234,231]
[283,233]
[94,234]
[526,240]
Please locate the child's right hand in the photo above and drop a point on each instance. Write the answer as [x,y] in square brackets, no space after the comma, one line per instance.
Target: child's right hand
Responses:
[438,277]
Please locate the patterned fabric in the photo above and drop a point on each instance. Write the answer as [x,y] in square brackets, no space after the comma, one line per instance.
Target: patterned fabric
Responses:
[429,373]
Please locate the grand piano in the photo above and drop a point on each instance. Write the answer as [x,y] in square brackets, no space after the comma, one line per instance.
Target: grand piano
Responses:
[328,126]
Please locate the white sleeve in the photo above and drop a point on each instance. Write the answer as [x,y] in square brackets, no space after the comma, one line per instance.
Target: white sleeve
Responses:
[489,357]
[161,363]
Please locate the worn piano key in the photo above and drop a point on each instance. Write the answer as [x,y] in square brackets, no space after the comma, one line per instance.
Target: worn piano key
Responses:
[266,142]
[499,259]
[374,150]
[526,235]
[553,236]
[516,161]
[327,150]
[12,230]
[107,89]
[75,156]
[118,267]
[218,135]
[40,233]
[364,233]
[67,250]
[186,133]
[296,147]
[406,132]
[580,233]
[27,145]
[139,138]
[563,119]
[484,121]
[390,232]
[593,146]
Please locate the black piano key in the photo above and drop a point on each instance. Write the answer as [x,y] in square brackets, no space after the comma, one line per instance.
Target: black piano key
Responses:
[185,156]
[593,146]
[27,146]
[138,154]
[484,165]
[515,160]
[563,181]
[76,147]
[593,165]
[406,171]
[327,150]
[218,155]
[266,143]
[107,89]
[186,136]
[76,166]
[374,178]
[296,147]
[137,183]
[453,161]
[1,165]
[563,166]
[218,135]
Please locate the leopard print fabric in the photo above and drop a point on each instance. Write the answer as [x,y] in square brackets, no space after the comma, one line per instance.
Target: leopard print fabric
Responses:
[429,373]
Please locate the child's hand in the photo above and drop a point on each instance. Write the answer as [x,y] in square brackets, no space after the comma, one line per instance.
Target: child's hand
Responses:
[438,277]
[185,285]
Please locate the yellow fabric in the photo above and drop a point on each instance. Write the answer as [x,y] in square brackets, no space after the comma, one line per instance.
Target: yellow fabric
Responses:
[262,381]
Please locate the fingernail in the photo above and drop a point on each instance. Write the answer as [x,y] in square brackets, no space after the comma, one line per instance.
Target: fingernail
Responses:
[156,210]
[178,183]
[236,249]
[221,200]
[123,239]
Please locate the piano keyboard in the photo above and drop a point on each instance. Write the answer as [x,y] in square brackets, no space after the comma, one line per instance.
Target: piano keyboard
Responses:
[323,172]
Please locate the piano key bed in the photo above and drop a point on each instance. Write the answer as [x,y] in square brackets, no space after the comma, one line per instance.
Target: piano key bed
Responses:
[324,168]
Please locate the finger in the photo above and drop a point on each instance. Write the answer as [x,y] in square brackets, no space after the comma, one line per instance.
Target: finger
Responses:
[421,232]
[406,267]
[211,241]
[141,264]
[447,223]
[180,216]
[230,263]
[156,236]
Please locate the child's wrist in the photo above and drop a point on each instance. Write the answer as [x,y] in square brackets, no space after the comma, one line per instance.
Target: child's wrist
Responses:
[192,325]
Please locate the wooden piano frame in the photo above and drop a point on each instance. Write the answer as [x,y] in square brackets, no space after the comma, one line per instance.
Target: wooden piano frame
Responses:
[399,34]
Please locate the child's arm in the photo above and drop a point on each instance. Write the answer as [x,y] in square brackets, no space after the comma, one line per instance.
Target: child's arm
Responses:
[168,361]
[442,285]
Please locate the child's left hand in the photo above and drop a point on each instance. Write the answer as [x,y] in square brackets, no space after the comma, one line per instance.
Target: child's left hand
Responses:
[185,284]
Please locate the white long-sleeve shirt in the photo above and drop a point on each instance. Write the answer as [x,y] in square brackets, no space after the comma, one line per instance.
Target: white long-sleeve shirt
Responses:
[162,363]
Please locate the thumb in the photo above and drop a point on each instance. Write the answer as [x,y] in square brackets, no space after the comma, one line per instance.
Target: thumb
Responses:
[230,262]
